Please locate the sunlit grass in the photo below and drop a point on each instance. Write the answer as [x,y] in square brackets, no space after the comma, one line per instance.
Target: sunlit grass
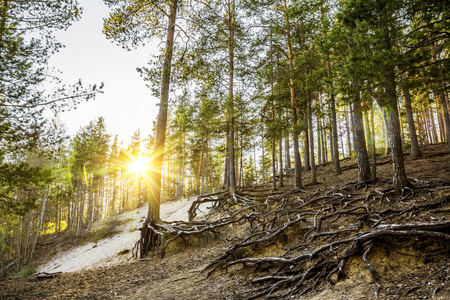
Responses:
[50,227]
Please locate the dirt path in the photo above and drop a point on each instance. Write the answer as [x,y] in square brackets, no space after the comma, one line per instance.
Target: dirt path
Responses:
[105,252]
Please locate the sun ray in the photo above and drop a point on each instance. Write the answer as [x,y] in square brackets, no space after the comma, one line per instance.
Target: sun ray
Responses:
[139,165]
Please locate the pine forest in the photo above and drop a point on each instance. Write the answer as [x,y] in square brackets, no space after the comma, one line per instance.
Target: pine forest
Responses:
[310,140]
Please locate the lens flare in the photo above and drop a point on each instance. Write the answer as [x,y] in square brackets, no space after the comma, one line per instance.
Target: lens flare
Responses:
[139,165]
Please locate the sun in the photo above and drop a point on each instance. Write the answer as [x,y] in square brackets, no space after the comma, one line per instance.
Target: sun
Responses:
[138,165]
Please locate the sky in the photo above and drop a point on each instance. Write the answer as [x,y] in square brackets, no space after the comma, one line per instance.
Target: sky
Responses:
[126,104]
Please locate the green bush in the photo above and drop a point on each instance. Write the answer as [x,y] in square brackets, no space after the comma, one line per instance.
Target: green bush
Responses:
[26,270]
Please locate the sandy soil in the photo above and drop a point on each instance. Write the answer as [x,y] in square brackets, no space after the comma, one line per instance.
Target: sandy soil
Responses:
[106,251]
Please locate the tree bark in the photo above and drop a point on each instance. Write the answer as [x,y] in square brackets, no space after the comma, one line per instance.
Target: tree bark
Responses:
[319,141]
[325,147]
[400,180]
[359,138]
[226,173]
[231,44]
[274,172]
[263,169]
[297,160]
[148,237]
[441,124]
[415,151]
[281,158]
[347,125]
[287,149]
[335,154]
[255,166]
[306,147]
[311,143]
[374,152]
[433,125]
[203,164]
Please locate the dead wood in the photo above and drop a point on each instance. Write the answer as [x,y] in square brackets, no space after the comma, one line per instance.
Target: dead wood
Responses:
[44,275]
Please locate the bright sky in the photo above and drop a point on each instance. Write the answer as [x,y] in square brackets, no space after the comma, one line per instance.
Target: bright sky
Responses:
[127,103]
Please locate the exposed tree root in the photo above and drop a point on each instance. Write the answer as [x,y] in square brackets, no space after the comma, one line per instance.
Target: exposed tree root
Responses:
[316,221]
[327,227]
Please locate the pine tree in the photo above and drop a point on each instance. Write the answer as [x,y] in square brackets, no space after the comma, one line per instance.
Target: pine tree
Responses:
[132,22]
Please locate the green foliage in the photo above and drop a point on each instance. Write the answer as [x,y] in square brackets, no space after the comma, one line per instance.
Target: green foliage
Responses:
[26,44]
[20,186]
[90,150]
[26,271]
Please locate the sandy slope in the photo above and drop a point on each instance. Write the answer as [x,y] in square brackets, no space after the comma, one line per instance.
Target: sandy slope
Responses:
[105,252]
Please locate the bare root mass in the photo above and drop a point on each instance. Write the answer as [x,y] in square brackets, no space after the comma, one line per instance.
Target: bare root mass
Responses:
[318,232]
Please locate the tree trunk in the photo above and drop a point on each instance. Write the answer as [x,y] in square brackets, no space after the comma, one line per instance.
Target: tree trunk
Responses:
[226,173]
[359,139]
[347,125]
[148,238]
[335,154]
[400,180]
[433,125]
[367,130]
[325,147]
[446,116]
[415,151]
[311,143]
[274,171]
[203,164]
[183,166]
[374,152]
[342,144]
[263,160]
[287,150]
[441,124]
[306,147]
[81,210]
[281,158]
[41,219]
[255,165]
[331,147]
[319,141]
[387,141]
[297,160]
[241,166]
[231,44]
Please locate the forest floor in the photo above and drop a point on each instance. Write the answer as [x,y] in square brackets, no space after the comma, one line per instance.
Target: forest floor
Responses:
[407,267]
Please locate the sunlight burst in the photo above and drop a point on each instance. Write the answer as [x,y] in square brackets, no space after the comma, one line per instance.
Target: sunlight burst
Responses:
[139,165]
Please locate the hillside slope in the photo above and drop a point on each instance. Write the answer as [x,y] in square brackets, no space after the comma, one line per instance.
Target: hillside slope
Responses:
[408,266]
[105,252]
